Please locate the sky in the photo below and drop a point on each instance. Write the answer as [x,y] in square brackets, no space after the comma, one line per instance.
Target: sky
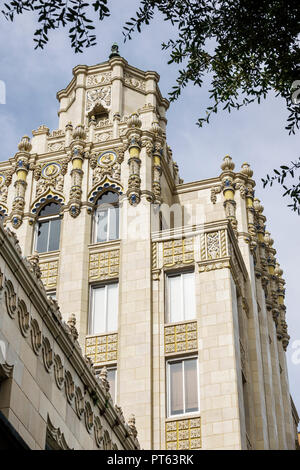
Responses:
[255,134]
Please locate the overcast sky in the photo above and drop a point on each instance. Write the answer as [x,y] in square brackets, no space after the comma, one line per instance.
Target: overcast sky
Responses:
[255,134]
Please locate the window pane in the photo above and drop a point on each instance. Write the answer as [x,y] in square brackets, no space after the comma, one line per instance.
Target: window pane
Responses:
[98,315]
[111,377]
[54,234]
[174,297]
[189,295]
[42,237]
[101,223]
[50,209]
[108,198]
[176,388]
[191,385]
[114,223]
[112,307]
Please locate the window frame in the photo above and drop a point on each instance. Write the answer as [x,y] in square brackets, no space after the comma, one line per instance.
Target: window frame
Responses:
[168,387]
[91,307]
[42,219]
[168,298]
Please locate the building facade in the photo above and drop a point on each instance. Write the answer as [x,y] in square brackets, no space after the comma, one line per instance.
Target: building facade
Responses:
[175,286]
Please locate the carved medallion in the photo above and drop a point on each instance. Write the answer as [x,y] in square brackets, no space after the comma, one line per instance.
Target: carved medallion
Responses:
[51,170]
[107,158]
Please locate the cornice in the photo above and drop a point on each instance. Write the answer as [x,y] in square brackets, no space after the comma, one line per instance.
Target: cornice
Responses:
[37,295]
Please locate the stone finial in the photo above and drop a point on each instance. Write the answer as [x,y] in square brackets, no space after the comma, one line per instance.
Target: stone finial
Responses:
[132,427]
[257,205]
[278,271]
[103,378]
[25,145]
[114,51]
[134,121]
[227,164]
[268,240]
[72,325]
[79,132]
[246,170]
[156,129]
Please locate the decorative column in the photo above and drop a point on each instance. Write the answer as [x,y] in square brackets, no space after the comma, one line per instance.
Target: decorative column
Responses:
[282,309]
[249,194]
[157,154]
[68,133]
[227,178]
[22,169]
[77,146]
[134,181]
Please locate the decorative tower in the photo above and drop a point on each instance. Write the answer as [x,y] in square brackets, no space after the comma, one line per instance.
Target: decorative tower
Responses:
[175,289]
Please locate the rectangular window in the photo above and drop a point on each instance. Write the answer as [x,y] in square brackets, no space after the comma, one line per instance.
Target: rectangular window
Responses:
[182,386]
[104,309]
[180,297]
[48,235]
[107,224]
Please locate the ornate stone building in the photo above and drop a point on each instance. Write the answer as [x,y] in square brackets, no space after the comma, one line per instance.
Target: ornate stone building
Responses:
[175,287]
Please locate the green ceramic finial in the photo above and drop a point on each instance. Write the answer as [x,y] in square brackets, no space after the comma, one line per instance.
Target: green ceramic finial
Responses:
[114,51]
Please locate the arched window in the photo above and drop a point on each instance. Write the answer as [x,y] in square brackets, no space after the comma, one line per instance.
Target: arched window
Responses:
[48,228]
[106,218]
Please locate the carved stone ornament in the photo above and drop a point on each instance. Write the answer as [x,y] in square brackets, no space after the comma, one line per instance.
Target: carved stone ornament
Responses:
[98,431]
[69,386]
[10,298]
[79,402]
[56,436]
[103,78]
[58,371]
[36,337]
[24,318]
[47,354]
[88,416]
[99,96]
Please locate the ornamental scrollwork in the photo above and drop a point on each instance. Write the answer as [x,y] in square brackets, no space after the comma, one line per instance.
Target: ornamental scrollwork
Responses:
[88,416]
[58,371]
[79,402]
[36,337]
[69,386]
[10,298]
[98,97]
[24,318]
[98,431]
[47,354]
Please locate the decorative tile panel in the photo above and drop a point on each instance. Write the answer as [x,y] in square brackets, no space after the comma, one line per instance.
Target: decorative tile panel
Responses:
[102,348]
[178,251]
[104,265]
[213,245]
[181,338]
[49,272]
[183,434]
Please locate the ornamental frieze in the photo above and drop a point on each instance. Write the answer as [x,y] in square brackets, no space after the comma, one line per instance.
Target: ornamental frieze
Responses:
[50,174]
[107,164]
[99,79]
[133,82]
[99,96]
